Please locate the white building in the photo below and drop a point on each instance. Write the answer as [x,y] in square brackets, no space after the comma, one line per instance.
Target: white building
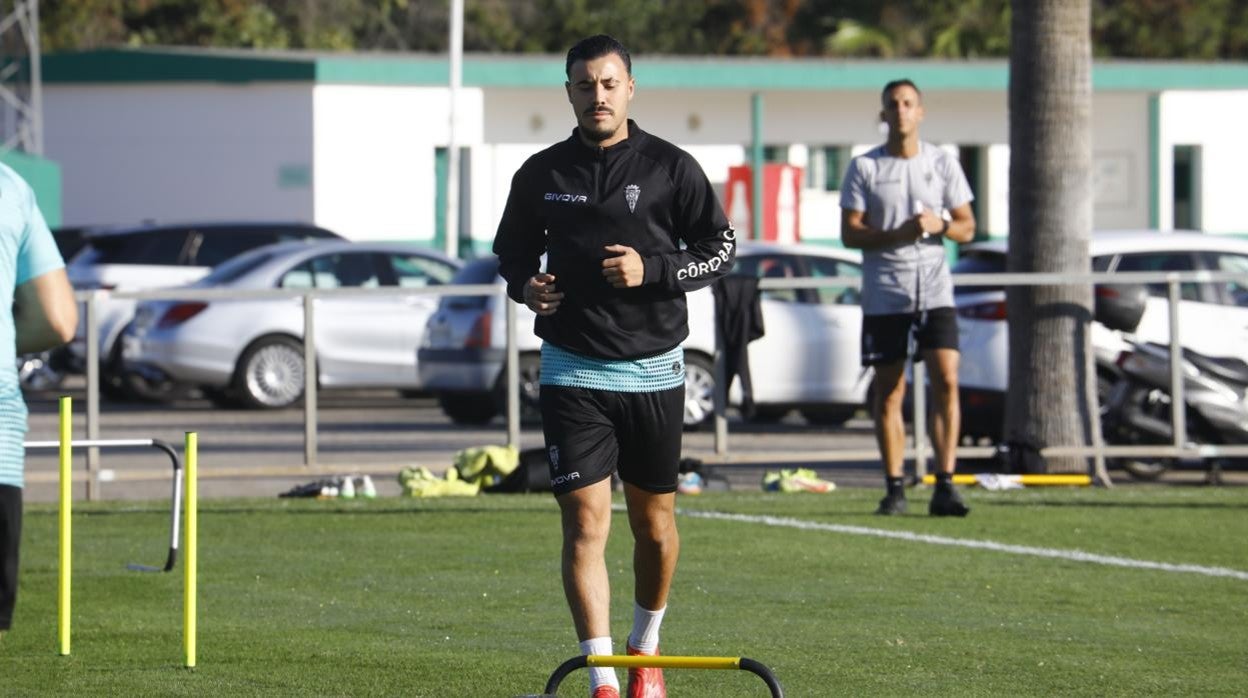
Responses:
[357,142]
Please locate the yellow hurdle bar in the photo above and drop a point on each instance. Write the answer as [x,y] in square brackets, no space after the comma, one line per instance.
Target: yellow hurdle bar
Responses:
[65,573]
[190,543]
[662,662]
[752,666]
[1024,479]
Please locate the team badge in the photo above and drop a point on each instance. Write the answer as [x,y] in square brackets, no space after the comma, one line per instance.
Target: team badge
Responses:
[632,192]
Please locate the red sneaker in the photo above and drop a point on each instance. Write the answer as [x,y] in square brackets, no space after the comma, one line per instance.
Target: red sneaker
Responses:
[645,682]
[605,691]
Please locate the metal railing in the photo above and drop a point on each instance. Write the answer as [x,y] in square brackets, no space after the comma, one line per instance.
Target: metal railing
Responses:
[917,449]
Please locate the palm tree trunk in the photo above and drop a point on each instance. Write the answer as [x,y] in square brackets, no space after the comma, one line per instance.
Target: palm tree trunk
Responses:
[1051,400]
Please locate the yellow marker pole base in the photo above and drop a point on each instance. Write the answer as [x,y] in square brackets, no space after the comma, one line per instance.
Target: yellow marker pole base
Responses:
[1026,479]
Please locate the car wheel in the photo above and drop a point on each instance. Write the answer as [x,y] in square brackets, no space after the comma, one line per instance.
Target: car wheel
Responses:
[149,390]
[271,373]
[829,416]
[769,414]
[530,389]
[112,374]
[699,390]
[223,398]
[468,408]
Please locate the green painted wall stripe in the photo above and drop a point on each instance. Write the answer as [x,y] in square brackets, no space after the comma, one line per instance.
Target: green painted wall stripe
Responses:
[114,66]
[44,176]
[383,70]
[528,71]
[1154,161]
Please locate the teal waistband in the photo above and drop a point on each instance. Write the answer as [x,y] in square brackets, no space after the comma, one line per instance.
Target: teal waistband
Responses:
[647,375]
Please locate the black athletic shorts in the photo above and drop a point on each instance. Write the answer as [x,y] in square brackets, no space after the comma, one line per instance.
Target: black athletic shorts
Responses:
[592,433]
[10,540]
[887,339]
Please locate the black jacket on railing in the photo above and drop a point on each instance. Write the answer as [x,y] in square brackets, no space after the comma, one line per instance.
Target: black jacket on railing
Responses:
[738,321]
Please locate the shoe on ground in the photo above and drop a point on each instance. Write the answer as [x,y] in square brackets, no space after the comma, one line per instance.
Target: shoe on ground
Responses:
[891,505]
[605,691]
[947,502]
[645,682]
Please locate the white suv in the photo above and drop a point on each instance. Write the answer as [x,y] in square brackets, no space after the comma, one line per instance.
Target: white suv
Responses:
[1213,316]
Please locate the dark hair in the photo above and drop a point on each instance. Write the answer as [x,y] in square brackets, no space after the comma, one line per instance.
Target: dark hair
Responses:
[596,47]
[903,82]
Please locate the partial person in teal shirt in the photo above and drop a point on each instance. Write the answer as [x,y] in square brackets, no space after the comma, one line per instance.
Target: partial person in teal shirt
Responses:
[37,312]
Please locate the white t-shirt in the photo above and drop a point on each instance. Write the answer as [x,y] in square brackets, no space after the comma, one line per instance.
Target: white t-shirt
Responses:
[910,277]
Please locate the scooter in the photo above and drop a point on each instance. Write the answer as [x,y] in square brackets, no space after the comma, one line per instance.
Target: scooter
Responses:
[1137,409]
[1135,391]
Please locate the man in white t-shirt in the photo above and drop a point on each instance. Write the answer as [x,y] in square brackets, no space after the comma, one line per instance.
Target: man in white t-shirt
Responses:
[898,201]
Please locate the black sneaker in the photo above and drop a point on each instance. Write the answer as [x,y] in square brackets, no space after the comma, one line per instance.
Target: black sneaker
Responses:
[947,502]
[892,505]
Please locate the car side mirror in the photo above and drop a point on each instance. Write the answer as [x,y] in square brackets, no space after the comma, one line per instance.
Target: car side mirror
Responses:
[1120,306]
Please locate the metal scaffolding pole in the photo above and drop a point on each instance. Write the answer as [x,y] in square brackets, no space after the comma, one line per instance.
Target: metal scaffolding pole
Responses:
[21,108]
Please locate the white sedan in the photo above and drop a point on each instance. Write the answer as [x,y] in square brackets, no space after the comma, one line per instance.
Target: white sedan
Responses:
[250,352]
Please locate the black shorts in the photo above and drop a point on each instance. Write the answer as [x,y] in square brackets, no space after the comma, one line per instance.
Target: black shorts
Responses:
[10,541]
[592,433]
[888,339]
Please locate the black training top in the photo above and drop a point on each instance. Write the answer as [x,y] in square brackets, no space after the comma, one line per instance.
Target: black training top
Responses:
[571,200]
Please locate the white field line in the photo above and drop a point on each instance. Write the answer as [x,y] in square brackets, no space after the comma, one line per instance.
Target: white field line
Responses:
[1073,555]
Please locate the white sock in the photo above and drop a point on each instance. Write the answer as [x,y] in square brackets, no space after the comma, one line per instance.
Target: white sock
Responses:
[599,675]
[645,635]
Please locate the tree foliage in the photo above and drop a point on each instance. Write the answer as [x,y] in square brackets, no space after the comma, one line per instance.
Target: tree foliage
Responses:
[1196,29]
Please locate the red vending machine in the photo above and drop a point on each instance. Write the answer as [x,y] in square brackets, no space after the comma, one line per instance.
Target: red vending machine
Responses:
[782,190]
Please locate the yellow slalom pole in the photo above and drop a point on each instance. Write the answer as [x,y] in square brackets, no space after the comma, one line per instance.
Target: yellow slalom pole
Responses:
[65,572]
[191,544]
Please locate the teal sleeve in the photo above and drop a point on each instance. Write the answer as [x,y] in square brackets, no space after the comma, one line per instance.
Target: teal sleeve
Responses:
[37,254]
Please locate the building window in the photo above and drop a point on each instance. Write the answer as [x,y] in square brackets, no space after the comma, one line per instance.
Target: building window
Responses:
[826,167]
[1187,187]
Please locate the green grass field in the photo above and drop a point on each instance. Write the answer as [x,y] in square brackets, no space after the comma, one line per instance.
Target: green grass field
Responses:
[461,597]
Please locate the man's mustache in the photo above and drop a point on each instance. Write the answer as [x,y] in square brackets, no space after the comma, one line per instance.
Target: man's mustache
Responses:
[594,110]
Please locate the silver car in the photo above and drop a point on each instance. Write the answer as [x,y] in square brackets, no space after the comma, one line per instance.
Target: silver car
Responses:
[134,258]
[808,359]
[250,352]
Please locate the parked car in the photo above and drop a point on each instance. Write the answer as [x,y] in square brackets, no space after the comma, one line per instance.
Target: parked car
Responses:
[250,352]
[1214,316]
[157,256]
[808,359]
[69,239]
[46,370]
